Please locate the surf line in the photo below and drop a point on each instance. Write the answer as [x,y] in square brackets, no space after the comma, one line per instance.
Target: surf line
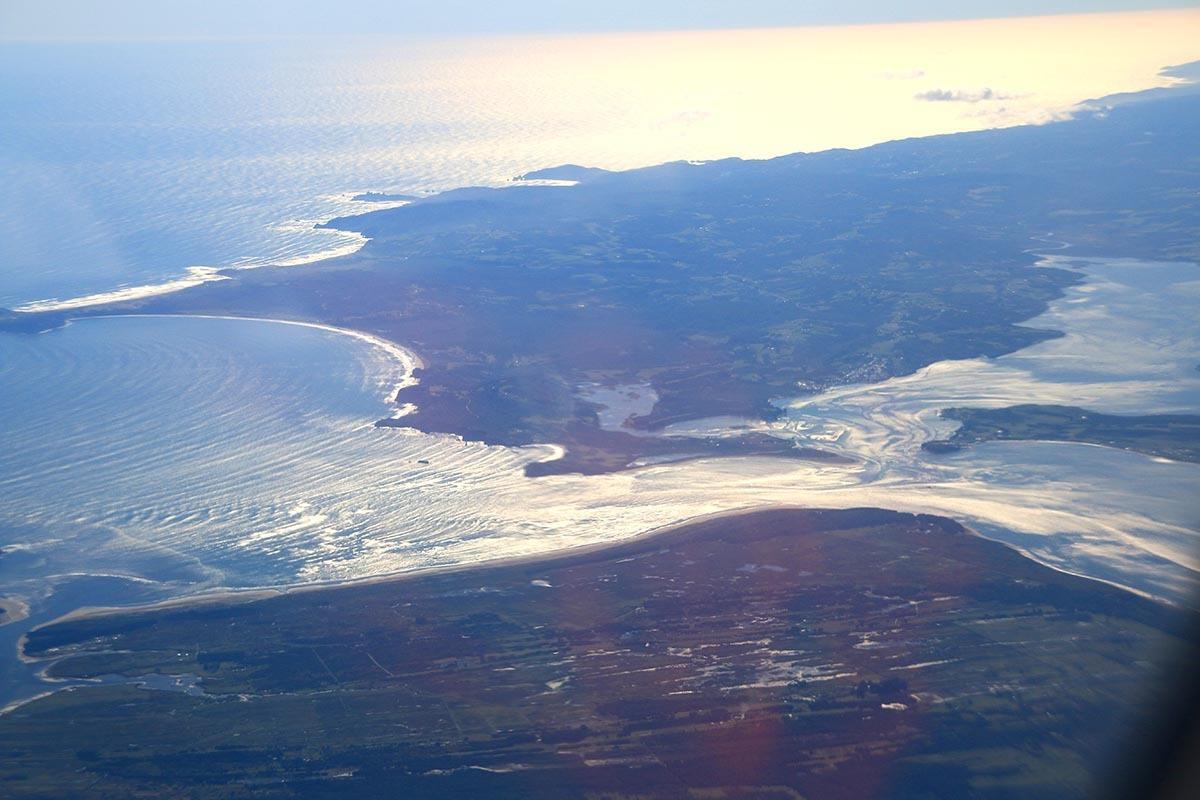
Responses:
[353,241]
[409,360]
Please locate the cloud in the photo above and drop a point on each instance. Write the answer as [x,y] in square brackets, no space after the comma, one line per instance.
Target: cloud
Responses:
[962,95]
[687,118]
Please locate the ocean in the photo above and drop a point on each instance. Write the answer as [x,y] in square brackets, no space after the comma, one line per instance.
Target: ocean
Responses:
[127,163]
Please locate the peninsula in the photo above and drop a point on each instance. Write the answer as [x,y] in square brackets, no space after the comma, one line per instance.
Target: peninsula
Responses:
[726,285]
[1174,436]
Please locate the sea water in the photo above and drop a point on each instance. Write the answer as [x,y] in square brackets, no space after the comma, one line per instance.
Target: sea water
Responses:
[129,163]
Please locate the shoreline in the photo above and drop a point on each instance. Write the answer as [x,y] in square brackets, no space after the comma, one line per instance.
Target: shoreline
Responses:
[197,275]
[533,568]
[870,626]
[15,609]
[411,361]
[230,596]
[192,277]
[407,358]
[233,597]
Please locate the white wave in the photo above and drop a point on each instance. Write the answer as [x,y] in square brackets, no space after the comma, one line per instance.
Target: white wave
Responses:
[351,243]
[194,277]
[407,359]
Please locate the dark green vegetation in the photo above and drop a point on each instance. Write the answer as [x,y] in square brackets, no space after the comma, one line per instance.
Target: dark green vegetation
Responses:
[727,284]
[835,654]
[1175,436]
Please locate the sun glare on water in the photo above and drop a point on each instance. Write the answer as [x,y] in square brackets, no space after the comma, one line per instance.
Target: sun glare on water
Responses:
[624,100]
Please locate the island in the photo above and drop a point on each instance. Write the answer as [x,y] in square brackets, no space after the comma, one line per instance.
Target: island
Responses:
[1173,436]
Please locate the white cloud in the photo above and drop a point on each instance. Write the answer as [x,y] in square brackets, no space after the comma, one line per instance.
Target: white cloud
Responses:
[962,95]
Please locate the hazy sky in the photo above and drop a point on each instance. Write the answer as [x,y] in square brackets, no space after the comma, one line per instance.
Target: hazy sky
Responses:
[92,19]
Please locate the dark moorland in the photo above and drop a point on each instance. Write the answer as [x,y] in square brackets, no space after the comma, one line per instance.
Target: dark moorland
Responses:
[783,653]
[1174,436]
[725,285]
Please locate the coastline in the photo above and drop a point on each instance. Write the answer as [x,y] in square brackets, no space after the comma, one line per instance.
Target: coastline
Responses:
[408,359]
[14,609]
[768,618]
[227,597]
[1171,77]
[198,275]
[411,362]
[230,598]
[223,597]
[677,533]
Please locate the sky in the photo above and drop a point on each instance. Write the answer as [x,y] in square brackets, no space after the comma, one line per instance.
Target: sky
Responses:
[154,19]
